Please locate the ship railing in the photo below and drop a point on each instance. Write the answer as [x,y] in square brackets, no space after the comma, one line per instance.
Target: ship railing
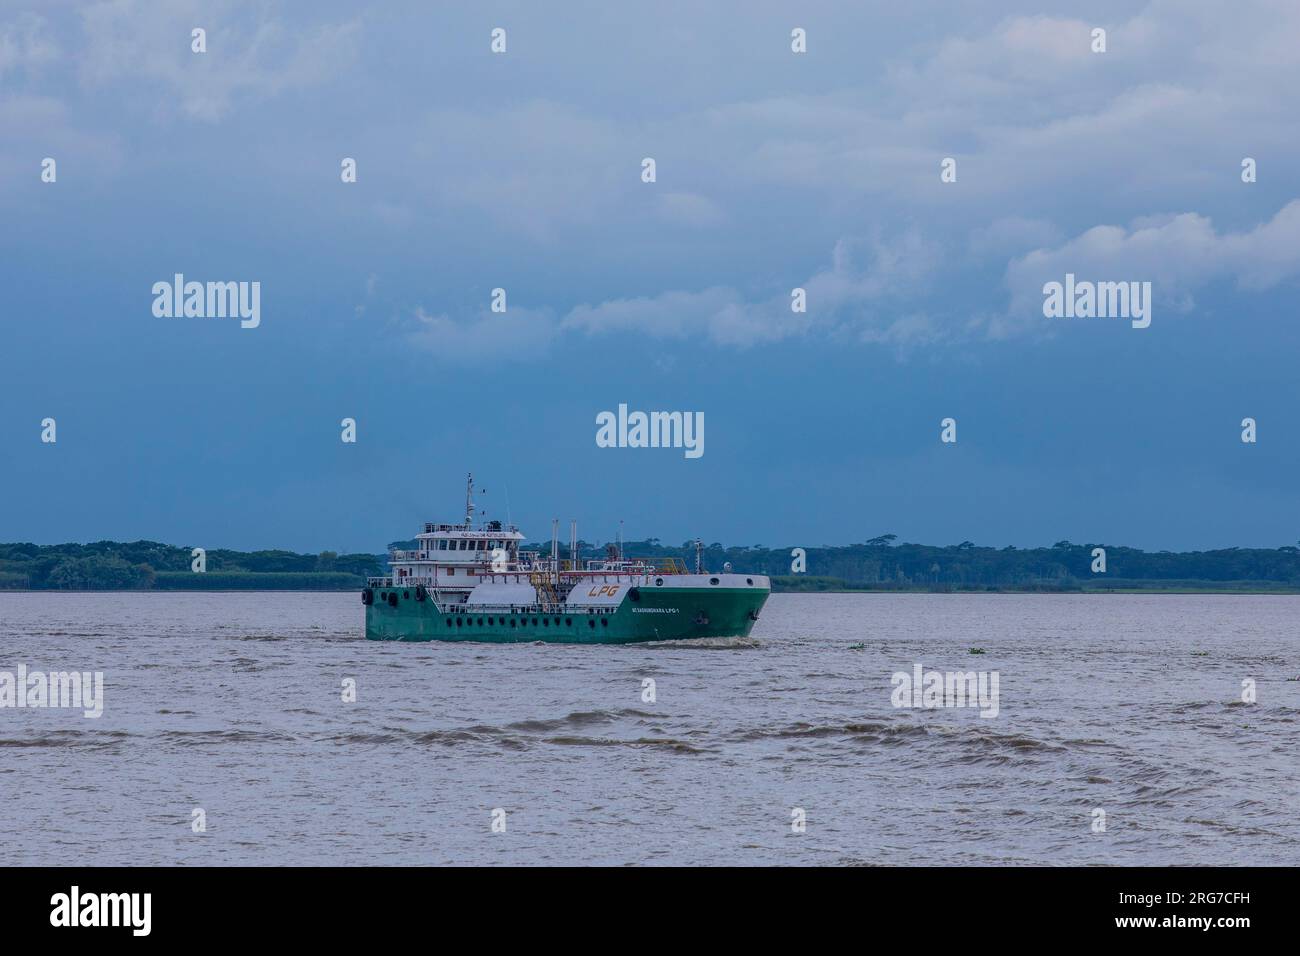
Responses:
[484,566]
[542,608]
[639,566]
[529,562]
[409,582]
[432,527]
[670,566]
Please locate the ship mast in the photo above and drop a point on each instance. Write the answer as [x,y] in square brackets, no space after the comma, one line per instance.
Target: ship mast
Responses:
[555,550]
[469,501]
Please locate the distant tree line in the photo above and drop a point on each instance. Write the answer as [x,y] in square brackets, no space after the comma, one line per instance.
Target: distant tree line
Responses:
[880,564]
[114,565]
[876,564]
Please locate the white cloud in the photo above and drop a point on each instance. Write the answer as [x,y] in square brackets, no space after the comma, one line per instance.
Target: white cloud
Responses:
[531,166]
[674,314]
[136,41]
[1178,254]
[518,334]
[1050,138]
[690,209]
[854,297]
[25,45]
[38,126]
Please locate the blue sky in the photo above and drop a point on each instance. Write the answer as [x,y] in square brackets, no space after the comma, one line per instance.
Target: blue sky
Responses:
[774,170]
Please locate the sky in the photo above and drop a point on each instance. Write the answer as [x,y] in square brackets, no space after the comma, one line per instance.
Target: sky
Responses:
[774,170]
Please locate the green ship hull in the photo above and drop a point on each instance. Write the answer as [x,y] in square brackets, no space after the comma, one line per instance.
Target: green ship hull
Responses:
[646,614]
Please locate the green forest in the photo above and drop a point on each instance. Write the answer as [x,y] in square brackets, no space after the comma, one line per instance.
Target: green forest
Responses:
[878,564]
[883,564]
[148,565]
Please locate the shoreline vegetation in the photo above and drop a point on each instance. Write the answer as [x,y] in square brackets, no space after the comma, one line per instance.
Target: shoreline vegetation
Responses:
[876,565]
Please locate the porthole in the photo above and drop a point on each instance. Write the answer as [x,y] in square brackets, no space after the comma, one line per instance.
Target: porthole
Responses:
[659,582]
[460,622]
[512,622]
[604,622]
[480,622]
[534,622]
[489,622]
[568,622]
[591,623]
[713,580]
[406,595]
[749,580]
[634,594]
[546,622]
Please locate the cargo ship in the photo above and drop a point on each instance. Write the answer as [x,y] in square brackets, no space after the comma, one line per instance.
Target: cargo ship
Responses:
[468,583]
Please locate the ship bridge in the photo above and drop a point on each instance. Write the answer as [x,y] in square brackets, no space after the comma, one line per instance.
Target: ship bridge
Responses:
[452,559]
[459,544]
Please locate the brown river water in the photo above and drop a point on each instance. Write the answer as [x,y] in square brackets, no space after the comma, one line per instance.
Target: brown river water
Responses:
[232,704]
